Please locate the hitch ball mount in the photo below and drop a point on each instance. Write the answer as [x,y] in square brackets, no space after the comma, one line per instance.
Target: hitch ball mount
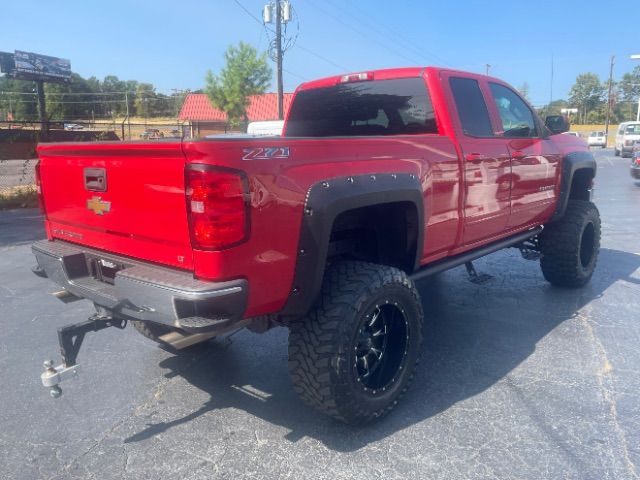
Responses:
[70,339]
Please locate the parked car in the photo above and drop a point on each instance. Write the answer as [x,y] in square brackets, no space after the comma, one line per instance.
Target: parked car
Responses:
[573,134]
[597,139]
[73,126]
[628,133]
[266,128]
[379,179]
[151,133]
[635,161]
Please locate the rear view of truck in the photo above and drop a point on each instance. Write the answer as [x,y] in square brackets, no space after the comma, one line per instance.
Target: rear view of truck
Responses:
[122,222]
[375,182]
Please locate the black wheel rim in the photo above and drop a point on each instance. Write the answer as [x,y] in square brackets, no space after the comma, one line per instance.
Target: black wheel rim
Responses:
[381,346]
[587,245]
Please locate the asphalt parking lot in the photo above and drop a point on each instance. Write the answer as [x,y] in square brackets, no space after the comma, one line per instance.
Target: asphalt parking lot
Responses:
[518,379]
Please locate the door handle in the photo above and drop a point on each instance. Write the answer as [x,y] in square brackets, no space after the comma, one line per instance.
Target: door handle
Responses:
[473,157]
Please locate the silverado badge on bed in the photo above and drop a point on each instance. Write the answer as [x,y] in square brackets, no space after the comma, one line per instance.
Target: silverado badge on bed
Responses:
[98,206]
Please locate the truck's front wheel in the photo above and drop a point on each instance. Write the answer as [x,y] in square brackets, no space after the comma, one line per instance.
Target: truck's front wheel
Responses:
[353,357]
[570,246]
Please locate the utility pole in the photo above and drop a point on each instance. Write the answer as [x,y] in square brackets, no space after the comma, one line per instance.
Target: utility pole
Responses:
[606,122]
[279,57]
[283,13]
[126,103]
[551,82]
[42,110]
[487,67]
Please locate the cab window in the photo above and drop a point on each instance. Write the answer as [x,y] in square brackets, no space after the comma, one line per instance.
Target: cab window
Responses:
[516,117]
[472,110]
[400,106]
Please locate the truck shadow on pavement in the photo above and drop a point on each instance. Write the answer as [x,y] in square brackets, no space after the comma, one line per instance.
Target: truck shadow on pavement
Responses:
[20,226]
[474,337]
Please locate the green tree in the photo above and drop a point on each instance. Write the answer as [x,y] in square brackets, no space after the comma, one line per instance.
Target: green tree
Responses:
[72,101]
[587,94]
[18,99]
[145,95]
[553,108]
[629,93]
[246,73]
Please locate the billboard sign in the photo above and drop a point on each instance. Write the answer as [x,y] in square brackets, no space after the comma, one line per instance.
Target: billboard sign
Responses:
[33,66]
[7,65]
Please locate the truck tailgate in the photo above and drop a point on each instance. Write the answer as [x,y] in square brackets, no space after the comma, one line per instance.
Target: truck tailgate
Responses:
[125,198]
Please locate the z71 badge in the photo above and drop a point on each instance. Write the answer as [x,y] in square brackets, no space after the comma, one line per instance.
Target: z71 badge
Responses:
[265,153]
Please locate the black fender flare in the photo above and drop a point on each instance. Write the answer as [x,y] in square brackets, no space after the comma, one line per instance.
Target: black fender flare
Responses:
[572,163]
[326,200]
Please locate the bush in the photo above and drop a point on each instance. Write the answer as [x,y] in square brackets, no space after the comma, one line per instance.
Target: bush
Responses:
[22,196]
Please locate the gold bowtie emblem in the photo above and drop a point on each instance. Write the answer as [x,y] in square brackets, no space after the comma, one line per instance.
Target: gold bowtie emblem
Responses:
[98,206]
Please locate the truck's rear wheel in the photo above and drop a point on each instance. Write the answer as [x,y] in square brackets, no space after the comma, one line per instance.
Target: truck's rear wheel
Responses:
[570,246]
[353,356]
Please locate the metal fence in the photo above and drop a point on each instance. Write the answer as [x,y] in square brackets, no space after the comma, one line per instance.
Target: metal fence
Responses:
[18,141]
[14,173]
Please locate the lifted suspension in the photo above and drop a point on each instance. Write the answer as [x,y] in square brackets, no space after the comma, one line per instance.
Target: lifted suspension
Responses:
[70,339]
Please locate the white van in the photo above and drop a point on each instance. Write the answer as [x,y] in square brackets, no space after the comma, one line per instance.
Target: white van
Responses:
[271,127]
[628,134]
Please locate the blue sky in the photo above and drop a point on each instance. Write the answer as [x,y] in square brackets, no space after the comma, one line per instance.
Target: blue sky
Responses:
[173,43]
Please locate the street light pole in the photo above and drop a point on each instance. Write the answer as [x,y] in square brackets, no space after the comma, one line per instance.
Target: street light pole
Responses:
[637,57]
[606,123]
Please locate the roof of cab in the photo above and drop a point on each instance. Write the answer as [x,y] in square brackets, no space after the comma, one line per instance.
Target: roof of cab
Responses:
[384,74]
[388,74]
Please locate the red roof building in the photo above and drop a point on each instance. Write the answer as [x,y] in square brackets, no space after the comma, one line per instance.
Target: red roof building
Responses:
[205,119]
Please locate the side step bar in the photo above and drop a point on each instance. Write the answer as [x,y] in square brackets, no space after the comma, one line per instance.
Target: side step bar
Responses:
[466,257]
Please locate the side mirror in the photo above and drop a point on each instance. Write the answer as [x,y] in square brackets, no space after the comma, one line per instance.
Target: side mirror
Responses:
[557,123]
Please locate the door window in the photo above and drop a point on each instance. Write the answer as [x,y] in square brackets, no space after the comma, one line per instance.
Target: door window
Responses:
[517,118]
[472,110]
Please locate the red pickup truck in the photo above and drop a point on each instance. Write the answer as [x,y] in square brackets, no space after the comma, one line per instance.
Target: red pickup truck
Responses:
[380,178]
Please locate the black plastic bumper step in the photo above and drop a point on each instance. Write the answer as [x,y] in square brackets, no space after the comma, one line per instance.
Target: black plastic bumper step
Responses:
[202,324]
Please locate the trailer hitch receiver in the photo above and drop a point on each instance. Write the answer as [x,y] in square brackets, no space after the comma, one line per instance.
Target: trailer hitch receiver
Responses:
[70,339]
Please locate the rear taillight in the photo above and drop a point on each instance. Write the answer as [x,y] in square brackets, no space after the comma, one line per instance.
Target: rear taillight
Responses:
[39,188]
[217,205]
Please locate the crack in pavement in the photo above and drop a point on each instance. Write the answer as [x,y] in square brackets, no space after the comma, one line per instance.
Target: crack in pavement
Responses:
[603,376]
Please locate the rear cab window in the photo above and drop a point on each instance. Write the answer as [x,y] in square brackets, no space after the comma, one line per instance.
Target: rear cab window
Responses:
[378,107]
[471,107]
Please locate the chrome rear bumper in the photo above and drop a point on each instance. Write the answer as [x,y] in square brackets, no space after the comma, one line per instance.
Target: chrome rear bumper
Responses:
[144,291]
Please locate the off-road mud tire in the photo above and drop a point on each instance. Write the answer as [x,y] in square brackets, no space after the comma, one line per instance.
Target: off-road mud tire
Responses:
[570,246]
[323,358]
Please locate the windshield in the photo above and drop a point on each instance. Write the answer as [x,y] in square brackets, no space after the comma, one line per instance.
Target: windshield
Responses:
[632,129]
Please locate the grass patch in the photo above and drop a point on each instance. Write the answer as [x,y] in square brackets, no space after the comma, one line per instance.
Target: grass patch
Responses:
[22,196]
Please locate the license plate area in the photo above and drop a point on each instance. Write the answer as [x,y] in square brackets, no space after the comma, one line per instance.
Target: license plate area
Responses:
[103,269]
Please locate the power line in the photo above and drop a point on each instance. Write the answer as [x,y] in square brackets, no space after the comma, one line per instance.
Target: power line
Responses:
[379,42]
[266,29]
[250,14]
[408,44]
[321,57]
[304,79]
